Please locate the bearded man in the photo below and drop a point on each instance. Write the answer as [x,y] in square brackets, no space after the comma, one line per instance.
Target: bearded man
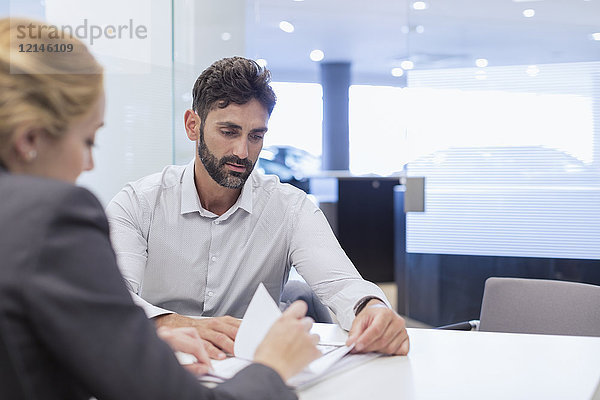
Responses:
[199,239]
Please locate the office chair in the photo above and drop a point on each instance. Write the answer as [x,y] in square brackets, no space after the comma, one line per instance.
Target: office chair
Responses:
[299,290]
[538,306]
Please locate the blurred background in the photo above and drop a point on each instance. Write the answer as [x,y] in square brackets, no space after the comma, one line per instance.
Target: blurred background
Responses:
[495,104]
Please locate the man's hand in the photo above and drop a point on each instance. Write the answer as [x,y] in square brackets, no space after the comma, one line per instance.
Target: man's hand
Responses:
[188,341]
[379,328]
[218,332]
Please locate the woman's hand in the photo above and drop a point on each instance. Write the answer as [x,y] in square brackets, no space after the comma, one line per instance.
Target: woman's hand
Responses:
[187,340]
[289,346]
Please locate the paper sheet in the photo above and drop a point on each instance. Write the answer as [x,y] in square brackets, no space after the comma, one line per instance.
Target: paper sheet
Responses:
[260,315]
[262,312]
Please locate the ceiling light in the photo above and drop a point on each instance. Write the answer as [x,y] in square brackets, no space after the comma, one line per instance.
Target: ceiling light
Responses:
[481,62]
[286,26]
[419,29]
[419,5]
[225,36]
[532,70]
[261,62]
[317,55]
[406,64]
[397,71]
[596,36]
[528,13]
[405,29]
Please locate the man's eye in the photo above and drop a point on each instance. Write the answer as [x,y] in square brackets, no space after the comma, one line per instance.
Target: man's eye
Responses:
[89,143]
[228,133]
[256,138]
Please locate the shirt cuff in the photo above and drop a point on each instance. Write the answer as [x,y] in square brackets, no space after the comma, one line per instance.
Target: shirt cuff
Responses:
[363,302]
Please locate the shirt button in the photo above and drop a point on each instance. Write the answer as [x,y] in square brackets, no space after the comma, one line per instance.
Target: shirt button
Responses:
[217,222]
[213,258]
[210,294]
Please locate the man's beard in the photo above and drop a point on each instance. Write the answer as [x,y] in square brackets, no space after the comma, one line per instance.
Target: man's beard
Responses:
[218,171]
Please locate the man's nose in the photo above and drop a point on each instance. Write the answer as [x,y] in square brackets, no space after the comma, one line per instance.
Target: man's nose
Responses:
[241,148]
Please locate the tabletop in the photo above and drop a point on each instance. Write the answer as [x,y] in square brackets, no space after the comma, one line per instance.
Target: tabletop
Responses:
[470,365]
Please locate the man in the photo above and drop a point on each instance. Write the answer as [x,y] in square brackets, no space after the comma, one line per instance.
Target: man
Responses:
[197,240]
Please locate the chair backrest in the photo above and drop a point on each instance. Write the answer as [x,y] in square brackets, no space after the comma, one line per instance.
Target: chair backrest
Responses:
[540,306]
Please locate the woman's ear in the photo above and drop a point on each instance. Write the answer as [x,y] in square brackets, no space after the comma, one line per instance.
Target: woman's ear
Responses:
[26,143]
[191,122]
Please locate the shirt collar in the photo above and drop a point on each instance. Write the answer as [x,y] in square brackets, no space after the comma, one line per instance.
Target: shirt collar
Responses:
[245,199]
[190,202]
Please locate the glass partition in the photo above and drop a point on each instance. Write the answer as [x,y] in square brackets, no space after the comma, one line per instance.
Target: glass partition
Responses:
[132,40]
[496,103]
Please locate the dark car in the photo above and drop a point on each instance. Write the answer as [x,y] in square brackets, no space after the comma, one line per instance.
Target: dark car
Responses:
[290,164]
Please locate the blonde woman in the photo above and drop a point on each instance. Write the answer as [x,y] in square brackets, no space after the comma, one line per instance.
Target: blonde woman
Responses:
[68,326]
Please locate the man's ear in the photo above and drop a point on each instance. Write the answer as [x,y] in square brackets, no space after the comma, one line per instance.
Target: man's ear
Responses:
[191,122]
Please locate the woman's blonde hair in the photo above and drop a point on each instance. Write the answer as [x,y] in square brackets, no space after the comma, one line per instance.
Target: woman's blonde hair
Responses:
[43,89]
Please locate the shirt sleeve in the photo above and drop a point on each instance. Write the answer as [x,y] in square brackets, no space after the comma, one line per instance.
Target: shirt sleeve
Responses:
[129,220]
[82,313]
[319,258]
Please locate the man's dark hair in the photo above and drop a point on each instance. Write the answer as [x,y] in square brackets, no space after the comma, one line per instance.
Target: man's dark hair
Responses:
[232,80]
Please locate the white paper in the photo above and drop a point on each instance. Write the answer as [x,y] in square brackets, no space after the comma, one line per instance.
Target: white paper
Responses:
[261,314]
[307,378]
[327,360]
[227,368]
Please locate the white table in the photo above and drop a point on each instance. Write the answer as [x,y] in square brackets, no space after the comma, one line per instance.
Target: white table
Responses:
[470,365]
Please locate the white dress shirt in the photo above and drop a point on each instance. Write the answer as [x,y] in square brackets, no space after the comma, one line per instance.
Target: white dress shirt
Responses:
[178,257]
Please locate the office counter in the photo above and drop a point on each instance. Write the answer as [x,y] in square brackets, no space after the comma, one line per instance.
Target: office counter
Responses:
[470,365]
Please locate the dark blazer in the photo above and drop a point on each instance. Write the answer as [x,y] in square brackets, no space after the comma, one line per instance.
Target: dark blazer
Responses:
[68,326]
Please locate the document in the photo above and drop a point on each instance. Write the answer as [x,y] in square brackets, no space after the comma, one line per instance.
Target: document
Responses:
[260,316]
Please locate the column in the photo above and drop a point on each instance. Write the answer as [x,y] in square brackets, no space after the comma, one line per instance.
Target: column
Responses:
[335,79]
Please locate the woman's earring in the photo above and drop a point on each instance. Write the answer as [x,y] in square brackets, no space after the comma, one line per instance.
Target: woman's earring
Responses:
[31,155]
